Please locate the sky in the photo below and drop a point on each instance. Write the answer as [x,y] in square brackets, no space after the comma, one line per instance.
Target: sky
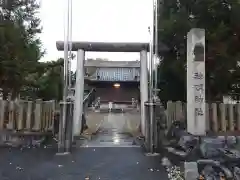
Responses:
[96,20]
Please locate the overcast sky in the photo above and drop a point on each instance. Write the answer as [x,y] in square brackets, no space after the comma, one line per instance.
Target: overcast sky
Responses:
[96,20]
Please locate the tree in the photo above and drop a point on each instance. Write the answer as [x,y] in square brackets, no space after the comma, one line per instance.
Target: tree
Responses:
[219,20]
[51,82]
[47,82]
[20,49]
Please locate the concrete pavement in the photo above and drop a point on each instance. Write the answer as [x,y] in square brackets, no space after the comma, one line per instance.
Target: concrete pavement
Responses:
[129,121]
[83,164]
[110,155]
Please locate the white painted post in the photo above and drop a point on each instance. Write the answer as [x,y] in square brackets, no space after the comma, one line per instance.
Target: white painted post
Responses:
[11,120]
[110,106]
[79,91]
[169,114]
[179,111]
[20,120]
[53,109]
[143,87]
[207,117]
[2,113]
[238,116]
[215,117]
[44,115]
[38,115]
[196,119]
[48,115]
[231,117]
[29,115]
[223,117]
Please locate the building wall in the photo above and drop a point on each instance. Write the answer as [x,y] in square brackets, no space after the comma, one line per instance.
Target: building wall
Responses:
[114,73]
[102,78]
[107,92]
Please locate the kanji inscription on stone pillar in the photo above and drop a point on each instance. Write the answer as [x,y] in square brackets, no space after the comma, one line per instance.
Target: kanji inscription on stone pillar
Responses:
[196,120]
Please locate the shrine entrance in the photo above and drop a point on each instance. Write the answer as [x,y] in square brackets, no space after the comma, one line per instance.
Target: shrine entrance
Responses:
[82,47]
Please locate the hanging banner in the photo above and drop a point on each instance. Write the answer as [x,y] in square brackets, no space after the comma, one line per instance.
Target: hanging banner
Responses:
[196,119]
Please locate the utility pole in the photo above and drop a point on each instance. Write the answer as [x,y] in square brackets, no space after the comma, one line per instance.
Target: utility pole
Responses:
[152,106]
[151,52]
[149,104]
[67,47]
[70,46]
[156,46]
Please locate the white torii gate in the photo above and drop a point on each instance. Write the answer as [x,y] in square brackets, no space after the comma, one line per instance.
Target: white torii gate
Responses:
[82,47]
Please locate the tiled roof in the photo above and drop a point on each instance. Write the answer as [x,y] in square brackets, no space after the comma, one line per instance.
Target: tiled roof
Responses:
[100,63]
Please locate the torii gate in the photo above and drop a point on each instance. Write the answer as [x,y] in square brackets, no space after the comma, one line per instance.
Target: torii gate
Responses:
[82,47]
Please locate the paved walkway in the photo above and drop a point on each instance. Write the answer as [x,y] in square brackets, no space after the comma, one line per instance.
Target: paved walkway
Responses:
[115,130]
[129,121]
[114,163]
[111,155]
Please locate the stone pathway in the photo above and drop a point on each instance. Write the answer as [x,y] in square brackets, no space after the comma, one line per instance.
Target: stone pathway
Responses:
[130,120]
[114,131]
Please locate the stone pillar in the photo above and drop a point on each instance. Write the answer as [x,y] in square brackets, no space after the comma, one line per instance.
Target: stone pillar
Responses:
[79,93]
[196,119]
[143,87]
